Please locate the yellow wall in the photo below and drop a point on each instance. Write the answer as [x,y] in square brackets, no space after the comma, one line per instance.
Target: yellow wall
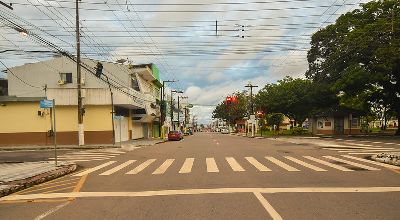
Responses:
[18,117]
[22,117]
[97,118]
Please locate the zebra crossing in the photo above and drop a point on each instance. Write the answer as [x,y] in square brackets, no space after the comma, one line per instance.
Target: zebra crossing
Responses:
[89,155]
[362,147]
[343,163]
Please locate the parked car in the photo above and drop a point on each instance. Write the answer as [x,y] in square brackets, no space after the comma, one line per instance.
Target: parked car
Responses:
[175,136]
[224,131]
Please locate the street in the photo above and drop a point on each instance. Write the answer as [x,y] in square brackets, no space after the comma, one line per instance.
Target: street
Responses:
[216,176]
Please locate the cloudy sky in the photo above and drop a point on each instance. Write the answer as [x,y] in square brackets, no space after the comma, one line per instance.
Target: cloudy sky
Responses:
[212,47]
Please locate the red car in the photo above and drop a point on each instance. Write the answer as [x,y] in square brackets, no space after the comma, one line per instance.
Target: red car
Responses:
[175,136]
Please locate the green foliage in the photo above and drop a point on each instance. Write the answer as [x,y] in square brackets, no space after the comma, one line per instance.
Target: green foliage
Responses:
[296,98]
[358,57]
[275,119]
[233,111]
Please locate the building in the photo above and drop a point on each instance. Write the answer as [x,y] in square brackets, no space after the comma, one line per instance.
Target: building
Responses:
[3,87]
[134,98]
[340,121]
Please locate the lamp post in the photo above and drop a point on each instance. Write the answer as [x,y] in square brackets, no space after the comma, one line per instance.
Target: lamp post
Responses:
[162,106]
[179,109]
[172,112]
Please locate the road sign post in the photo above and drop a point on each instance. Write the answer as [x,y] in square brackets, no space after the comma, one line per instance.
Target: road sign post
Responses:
[51,104]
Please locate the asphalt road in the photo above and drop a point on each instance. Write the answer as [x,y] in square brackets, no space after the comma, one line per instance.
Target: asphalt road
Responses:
[214,176]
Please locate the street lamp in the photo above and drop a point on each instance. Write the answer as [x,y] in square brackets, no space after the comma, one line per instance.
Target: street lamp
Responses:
[172,112]
[162,106]
[179,109]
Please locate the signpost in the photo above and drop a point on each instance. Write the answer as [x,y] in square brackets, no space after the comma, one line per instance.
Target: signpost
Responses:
[51,104]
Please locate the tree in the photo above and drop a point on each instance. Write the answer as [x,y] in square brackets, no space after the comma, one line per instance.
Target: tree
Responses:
[233,111]
[358,57]
[275,119]
[296,98]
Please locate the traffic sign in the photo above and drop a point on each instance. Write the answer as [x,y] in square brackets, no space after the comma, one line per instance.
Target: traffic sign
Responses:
[46,103]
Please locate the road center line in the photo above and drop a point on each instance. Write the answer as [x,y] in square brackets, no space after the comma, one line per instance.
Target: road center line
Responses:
[202,191]
[271,211]
[51,211]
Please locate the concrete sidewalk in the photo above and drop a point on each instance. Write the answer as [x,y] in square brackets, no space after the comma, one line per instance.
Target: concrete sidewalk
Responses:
[18,176]
[125,144]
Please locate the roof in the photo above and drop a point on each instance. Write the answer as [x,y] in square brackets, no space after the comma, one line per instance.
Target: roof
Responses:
[20,99]
[340,112]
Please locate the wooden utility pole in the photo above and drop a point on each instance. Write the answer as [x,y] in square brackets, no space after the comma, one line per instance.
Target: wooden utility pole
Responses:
[251,86]
[81,130]
[9,6]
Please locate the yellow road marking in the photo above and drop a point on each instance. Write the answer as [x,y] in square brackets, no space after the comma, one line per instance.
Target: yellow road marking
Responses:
[202,191]
[55,181]
[69,187]
[396,171]
[80,184]
[34,201]
[49,187]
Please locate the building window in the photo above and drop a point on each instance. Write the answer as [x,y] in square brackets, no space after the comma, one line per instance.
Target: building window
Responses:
[354,123]
[66,77]
[328,124]
[134,83]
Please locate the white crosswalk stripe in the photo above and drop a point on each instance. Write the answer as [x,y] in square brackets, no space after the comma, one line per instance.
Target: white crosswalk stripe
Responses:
[314,163]
[335,166]
[372,162]
[187,166]
[234,164]
[117,168]
[305,164]
[281,164]
[141,167]
[211,165]
[257,164]
[88,155]
[164,166]
[351,163]
[91,170]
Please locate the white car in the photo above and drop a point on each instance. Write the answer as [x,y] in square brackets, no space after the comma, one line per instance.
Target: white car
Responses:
[224,131]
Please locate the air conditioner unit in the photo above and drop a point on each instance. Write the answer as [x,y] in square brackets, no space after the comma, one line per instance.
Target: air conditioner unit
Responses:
[61,82]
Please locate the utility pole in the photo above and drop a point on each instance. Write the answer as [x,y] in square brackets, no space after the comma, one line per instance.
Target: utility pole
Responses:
[6,5]
[251,86]
[81,131]
[179,109]
[172,109]
[162,106]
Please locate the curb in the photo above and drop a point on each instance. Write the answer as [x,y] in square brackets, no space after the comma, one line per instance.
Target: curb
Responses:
[387,158]
[14,186]
[58,148]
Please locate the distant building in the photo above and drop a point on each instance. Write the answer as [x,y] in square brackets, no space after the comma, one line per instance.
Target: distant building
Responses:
[136,101]
[340,121]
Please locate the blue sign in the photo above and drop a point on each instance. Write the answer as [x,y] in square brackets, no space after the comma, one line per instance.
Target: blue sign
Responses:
[46,103]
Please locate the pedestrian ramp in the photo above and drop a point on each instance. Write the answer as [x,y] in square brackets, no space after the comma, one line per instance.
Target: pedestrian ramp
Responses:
[343,163]
[89,155]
